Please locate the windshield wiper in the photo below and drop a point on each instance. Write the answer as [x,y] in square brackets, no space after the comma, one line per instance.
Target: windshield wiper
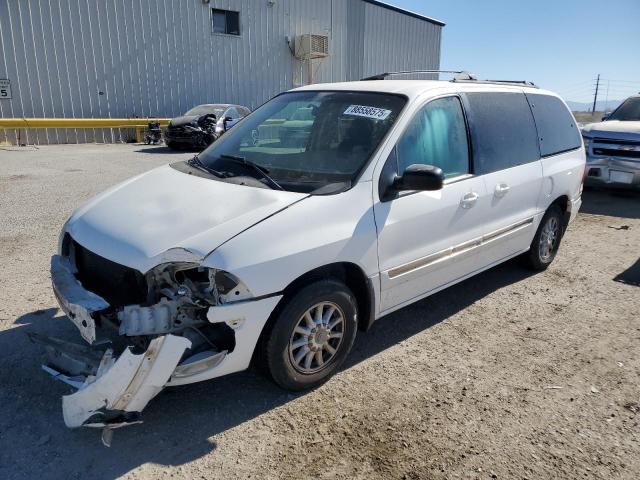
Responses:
[263,172]
[195,162]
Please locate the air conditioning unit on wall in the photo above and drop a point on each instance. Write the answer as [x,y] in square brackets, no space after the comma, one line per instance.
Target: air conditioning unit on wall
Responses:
[310,46]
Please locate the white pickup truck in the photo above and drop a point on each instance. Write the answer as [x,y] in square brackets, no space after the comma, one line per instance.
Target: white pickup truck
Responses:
[613,147]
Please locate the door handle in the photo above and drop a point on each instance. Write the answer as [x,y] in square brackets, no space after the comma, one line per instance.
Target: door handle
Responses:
[502,189]
[469,200]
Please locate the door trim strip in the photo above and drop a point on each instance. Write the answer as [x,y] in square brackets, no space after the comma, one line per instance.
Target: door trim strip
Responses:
[452,252]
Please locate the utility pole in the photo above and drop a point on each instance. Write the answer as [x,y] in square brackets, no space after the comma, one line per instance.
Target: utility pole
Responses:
[595,96]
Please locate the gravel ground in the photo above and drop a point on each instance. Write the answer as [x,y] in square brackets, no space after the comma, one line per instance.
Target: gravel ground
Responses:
[507,375]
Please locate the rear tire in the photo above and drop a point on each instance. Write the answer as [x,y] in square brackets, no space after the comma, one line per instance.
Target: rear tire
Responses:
[171,145]
[312,335]
[546,241]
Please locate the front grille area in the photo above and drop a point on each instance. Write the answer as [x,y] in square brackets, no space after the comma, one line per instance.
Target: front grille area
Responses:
[179,132]
[612,141]
[613,152]
[117,284]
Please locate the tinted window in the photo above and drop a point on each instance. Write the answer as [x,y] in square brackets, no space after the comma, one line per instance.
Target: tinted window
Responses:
[628,111]
[557,129]
[437,135]
[503,133]
[225,21]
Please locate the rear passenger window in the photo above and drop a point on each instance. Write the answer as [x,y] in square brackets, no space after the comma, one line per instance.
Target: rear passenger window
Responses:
[437,135]
[503,133]
[557,130]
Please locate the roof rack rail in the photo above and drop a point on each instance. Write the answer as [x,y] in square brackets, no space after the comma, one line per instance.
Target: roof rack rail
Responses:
[459,73]
[517,83]
[460,76]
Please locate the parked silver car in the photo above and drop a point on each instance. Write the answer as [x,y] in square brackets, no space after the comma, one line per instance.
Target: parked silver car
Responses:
[613,147]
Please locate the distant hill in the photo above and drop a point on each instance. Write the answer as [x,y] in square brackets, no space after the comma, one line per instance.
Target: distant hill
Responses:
[601,106]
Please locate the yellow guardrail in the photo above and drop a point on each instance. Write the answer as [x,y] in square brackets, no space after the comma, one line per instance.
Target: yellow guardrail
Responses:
[136,123]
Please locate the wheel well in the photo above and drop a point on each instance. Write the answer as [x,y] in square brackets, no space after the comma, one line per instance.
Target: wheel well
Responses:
[348,273]
[563,203]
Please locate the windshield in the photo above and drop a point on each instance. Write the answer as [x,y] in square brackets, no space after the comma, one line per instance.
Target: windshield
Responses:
[628,111]
[312,142]
[206,109]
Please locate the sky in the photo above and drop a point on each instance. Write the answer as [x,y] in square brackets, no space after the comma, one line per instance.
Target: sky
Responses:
[561,45]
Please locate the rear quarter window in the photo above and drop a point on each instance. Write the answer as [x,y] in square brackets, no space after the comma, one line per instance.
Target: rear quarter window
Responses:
[557,130]
[503,132]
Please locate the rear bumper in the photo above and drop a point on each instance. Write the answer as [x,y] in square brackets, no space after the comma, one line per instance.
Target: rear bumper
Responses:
[574,207]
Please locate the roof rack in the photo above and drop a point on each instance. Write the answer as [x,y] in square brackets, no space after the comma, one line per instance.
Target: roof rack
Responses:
[382,76]
[460,76]
[517,83]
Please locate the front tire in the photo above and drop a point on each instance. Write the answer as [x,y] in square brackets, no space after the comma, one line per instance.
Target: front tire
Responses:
[312,335]
[547,239]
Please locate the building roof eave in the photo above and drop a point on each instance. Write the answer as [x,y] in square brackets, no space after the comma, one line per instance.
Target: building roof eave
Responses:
[405,12]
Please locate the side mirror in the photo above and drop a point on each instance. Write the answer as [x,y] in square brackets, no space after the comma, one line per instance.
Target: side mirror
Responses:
[419,177]
[606,116]
[225,120]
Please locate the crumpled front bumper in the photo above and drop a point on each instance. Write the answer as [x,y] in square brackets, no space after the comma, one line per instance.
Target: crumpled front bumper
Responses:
[77,303]
[118,391]
[617,172]
[113,390]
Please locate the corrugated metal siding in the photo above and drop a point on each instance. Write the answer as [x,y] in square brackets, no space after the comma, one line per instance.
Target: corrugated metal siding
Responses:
[159,57]
[396,42]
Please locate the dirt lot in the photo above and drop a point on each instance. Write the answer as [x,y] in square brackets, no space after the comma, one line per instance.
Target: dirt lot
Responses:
[507,375]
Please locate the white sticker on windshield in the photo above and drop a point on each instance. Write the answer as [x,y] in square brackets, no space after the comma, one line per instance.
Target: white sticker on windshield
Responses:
[369,112]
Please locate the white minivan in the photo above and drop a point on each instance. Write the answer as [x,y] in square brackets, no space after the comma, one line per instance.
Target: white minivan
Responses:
[325,209]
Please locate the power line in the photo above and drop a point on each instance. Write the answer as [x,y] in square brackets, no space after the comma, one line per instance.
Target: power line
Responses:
[623,81]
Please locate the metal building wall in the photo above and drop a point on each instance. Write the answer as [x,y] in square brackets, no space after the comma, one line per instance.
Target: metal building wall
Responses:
[395,42]
[158,58]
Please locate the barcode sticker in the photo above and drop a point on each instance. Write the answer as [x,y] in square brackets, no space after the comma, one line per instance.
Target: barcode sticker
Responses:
[369,112]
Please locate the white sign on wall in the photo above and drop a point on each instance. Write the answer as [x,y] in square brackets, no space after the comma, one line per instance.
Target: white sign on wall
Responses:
[5,88]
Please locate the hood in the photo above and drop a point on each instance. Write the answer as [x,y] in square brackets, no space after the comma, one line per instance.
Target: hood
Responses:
[184,120]
[137,222]
[614,129]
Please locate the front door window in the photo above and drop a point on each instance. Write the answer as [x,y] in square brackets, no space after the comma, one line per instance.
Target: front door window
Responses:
[436,136]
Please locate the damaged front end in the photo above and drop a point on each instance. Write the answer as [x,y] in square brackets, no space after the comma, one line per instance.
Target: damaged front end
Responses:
[199,130]
[144,332]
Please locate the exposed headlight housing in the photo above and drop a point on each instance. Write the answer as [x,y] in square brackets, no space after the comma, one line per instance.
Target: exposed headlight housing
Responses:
[200,284]
[587,142]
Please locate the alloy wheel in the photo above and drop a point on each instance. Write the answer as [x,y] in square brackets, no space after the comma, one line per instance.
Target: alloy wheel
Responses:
[316,337]
[549,239]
